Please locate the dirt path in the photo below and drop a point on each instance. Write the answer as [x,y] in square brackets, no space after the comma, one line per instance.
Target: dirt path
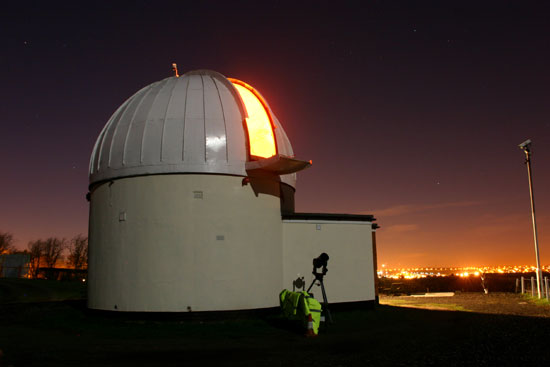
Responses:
[492,303]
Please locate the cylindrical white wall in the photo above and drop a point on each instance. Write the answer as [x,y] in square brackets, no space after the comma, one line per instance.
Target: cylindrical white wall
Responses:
[156,245]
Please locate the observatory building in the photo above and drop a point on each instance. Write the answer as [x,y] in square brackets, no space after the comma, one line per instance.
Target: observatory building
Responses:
[192,184]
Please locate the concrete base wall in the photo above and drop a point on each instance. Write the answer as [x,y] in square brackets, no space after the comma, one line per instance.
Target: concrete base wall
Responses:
[179,243]
[184,242]
[350,276]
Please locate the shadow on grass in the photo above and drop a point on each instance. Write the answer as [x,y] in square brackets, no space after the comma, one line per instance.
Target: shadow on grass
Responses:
[66,333]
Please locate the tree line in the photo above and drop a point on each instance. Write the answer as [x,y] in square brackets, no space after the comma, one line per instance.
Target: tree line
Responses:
[49,252]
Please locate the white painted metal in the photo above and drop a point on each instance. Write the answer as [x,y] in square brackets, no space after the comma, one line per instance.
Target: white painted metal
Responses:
[190,124]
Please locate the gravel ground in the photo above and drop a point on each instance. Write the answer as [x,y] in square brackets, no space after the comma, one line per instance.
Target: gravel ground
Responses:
[492,303]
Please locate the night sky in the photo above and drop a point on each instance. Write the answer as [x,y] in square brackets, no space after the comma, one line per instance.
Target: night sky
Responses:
[411,111]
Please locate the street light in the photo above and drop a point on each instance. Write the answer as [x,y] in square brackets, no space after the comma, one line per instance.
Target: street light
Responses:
[526,147]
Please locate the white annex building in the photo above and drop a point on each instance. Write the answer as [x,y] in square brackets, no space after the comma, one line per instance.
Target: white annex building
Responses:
[192,185]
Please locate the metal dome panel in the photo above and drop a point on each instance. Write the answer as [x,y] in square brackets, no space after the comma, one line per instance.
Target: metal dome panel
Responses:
[188,124]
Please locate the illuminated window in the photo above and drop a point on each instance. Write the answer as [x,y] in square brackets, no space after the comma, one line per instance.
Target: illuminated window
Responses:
[258,122]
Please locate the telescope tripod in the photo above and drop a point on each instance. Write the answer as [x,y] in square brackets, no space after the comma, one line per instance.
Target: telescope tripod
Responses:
[319,277]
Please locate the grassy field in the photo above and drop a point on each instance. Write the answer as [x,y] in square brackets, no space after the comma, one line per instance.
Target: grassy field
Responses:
[500,303]
[65,333]
[40,290]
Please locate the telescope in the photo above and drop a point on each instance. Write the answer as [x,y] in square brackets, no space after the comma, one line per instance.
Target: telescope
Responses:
[320,262]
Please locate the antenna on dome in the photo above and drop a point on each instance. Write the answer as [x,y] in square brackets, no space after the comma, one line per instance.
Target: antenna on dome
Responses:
[175,69]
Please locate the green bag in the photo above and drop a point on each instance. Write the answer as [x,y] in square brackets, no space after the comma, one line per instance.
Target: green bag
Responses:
[299,305]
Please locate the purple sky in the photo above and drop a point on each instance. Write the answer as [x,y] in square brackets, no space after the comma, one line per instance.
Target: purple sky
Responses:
[411,112]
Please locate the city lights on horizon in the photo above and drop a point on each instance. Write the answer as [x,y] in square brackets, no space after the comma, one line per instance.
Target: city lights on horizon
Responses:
[463,272]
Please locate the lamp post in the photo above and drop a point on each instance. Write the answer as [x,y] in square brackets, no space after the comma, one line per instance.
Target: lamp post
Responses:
[526,147]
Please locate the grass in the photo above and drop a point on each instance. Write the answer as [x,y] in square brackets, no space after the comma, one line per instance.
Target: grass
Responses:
[40,290]
[543,302]
[427,305]
[65,333]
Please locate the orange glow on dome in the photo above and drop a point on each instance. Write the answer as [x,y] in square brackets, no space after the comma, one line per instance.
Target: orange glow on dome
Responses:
[258,122]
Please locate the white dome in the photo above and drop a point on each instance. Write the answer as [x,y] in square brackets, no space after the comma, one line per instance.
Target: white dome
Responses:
[189,124]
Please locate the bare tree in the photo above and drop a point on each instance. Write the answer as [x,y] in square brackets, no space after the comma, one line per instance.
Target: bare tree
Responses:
[6,243]
[78,252]
[53,247]
[36,252]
